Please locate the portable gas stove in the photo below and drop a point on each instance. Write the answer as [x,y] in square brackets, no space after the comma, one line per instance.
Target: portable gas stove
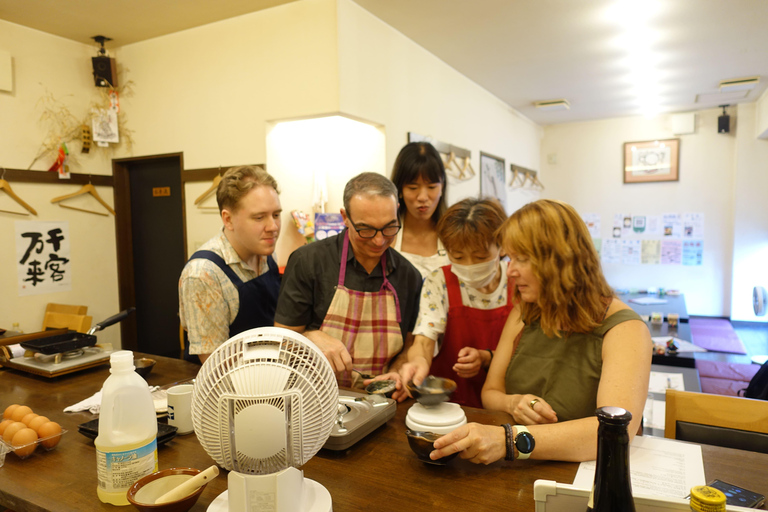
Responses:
[358,415]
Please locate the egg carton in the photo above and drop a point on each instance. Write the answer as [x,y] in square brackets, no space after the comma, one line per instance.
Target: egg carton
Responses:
[7,447]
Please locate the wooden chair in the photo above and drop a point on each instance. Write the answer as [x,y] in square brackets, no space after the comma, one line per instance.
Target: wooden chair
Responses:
[79,323]
[728,421]
[69,309]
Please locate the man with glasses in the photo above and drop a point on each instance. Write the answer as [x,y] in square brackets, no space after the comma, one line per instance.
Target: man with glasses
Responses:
[351,294]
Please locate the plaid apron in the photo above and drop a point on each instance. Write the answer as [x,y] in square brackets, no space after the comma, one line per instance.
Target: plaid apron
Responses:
[367,323]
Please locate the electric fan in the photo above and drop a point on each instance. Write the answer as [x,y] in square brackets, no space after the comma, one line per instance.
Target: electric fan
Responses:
[263,404]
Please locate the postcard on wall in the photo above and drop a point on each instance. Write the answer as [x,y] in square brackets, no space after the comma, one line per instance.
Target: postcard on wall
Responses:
[598,246]
[693,252]
[671,252]
[611,252]
[592,220]
[673,225]
[638,224]
[104,125]
[693,225]
[651,252]
[653,226]
[43,257]
[630,252]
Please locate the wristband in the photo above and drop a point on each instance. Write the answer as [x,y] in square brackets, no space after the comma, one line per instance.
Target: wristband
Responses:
[510,455]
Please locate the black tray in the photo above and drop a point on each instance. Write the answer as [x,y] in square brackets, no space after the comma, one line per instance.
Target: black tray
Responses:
[60,343]
[165,432]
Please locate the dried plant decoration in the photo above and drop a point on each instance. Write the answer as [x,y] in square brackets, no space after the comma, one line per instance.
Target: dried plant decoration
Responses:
[66,127]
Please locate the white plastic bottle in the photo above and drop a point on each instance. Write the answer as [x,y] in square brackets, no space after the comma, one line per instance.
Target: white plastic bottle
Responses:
[126,447]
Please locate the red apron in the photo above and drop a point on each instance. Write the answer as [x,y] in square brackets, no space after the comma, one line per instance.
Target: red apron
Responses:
[468,326]
[367,323]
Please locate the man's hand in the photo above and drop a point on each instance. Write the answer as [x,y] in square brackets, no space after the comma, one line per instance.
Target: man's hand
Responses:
[333,349]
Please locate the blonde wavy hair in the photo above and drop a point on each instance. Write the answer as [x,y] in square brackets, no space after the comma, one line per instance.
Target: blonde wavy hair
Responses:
[574,294]
[238,181]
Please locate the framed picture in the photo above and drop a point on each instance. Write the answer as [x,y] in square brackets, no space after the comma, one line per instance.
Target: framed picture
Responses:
[492,178]
[653,160]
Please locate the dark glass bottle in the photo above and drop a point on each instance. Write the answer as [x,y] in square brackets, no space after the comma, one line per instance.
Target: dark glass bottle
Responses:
[612,491]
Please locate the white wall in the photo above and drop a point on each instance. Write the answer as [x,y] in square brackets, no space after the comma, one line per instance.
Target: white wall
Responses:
[750,223]
[588,174]
[388,79]
[57,68]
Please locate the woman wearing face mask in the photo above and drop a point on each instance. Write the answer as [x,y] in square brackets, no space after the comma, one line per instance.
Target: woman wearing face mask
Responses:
[464,305]
[419,176]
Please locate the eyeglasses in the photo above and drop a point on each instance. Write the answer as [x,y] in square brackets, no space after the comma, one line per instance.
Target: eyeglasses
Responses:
[367,232]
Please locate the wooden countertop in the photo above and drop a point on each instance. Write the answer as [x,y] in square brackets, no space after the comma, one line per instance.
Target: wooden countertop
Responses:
[379,473]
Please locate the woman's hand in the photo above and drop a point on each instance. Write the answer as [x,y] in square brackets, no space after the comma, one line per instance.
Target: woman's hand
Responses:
[415,370]
[481,444]
[469,363]
[531,410]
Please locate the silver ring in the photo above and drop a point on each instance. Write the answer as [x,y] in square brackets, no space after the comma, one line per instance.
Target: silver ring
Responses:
[533,402]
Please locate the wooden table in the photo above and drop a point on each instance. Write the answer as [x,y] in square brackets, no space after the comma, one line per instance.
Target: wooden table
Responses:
[380,473]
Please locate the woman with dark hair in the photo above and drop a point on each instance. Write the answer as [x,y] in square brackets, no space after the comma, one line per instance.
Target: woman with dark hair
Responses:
[569,347]
[464,305]
[419,176]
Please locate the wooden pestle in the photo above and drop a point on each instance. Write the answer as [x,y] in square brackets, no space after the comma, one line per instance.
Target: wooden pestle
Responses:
[187,487]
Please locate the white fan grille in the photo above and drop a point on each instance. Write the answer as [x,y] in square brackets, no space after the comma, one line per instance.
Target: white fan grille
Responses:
[265,373]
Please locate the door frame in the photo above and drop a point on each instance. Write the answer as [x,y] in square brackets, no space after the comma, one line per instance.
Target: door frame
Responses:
[124,238]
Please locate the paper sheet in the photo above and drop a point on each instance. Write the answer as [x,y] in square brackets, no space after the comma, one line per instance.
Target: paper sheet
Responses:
[648,300]
[660,382]
[658,467]
[654,414]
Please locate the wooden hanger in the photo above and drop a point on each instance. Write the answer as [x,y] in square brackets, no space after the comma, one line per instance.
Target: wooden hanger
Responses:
[87,189]
[6,187]
[452,167]
[210,190]
[467,167]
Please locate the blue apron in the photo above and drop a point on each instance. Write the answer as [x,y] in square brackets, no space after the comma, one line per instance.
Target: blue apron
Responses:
[258,297]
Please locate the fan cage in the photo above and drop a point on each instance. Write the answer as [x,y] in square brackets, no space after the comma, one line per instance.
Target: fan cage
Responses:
[291,374]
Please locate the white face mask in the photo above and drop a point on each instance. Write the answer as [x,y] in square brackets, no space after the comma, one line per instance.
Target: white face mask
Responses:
[478,275]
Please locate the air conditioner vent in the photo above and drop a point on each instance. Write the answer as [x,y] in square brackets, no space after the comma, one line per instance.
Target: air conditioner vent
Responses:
[739,84]
[561,104]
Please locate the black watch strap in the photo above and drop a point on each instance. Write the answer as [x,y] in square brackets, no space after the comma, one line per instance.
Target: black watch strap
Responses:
[510,455]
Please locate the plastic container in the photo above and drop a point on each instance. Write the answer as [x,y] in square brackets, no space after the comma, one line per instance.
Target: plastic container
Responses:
[126,447]
[16,449]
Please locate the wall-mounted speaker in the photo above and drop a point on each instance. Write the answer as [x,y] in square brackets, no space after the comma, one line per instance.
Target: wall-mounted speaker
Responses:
[724,124]
[104,71]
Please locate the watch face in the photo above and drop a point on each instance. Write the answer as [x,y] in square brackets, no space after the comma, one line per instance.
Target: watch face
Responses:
[524,442]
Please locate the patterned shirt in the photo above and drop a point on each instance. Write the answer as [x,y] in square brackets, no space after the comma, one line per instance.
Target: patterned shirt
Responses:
[433,307]
[208,301]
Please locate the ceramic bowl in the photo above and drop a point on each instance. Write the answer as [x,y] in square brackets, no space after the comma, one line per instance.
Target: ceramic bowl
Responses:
[433,390]
[144,365]
[145,491]
[381,387]
[422,445]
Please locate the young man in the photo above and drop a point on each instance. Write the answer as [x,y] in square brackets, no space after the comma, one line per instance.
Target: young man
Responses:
[351,294]
[231,283]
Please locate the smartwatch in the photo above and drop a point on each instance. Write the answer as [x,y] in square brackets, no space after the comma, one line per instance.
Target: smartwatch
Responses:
[524,442]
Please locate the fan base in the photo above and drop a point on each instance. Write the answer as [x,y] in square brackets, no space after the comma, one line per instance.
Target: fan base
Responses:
[316,499]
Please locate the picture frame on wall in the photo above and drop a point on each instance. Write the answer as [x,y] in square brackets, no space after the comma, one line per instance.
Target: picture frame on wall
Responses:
[652,161]
[492,178]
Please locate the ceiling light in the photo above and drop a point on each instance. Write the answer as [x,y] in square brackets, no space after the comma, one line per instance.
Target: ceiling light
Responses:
[739,84]
[552,105]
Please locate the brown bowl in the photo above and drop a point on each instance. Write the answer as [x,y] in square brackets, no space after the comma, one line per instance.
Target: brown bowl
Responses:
[381,387]
[144,365]
[433,390]
[145,491]
[422,444]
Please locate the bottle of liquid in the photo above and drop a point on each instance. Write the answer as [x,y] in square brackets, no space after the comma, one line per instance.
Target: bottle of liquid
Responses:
[612,491]
[126,447]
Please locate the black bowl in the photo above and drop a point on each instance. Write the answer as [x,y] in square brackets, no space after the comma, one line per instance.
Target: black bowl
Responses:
[381,387]
[144,365]
[433,390]
[422,445]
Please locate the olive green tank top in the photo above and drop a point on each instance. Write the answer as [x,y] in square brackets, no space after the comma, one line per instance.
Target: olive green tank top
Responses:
[565,372]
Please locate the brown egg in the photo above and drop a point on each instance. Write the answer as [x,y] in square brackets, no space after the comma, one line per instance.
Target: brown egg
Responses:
[20,412]
[36,423]
[29,417]
[50,430]
[11,430]
[25,439]
[4,424]
[9,410]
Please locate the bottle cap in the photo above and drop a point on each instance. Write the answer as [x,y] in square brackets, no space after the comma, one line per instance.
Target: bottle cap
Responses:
[707,499]
[121,360]
[613,415]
